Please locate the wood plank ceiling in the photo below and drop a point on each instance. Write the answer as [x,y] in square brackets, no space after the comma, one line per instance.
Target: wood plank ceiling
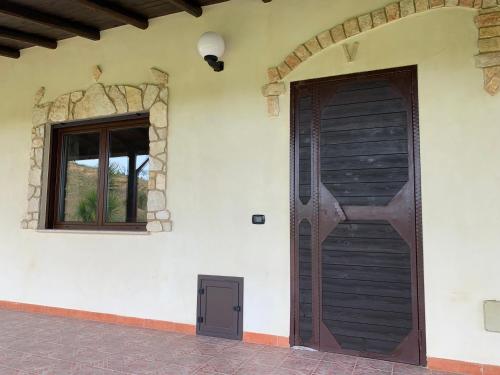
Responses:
[27,23]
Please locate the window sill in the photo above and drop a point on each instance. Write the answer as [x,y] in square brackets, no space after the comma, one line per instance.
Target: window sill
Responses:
[94,232]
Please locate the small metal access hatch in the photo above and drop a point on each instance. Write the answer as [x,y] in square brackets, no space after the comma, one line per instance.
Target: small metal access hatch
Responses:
[220,307]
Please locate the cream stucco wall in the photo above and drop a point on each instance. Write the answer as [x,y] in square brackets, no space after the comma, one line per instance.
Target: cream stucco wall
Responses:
[227,160]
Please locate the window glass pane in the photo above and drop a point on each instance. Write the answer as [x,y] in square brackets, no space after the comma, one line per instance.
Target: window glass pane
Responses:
[128,176]
[80,178]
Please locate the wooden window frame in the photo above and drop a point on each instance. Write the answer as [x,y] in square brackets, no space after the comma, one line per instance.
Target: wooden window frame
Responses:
[54,190]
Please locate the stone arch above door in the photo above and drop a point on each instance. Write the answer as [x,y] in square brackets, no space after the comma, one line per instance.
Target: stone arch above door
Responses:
[487,21]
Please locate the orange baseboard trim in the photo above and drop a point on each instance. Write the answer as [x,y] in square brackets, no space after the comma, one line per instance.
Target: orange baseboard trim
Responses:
[161,325]
[263,339]
[466,368]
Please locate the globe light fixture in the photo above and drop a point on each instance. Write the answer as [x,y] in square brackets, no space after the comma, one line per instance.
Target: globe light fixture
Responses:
[211,47]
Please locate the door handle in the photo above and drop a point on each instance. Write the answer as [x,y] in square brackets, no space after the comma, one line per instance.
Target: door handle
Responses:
[237,308]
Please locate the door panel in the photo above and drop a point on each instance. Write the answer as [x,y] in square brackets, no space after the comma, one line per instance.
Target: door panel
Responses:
[220,307]
[359,172]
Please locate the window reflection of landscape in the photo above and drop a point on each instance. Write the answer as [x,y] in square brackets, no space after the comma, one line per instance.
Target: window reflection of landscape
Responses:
[102,175]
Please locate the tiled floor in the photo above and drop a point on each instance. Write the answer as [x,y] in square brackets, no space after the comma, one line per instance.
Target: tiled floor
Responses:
[38,344]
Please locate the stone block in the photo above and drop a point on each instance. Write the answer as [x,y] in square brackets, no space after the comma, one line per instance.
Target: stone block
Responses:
[467,3]
[392,11]
[156,148]
[273,106]
[154,226]
[284,69]
[365,22]
[379,17]
[338,33]
[162,133]
[274,89]
[150,94]
[292,61]
[158,115]
[76,96]
[436,3]
[325,39]
[421,5]
[164,95]
[489,45]
[60,109]
[486,60]
[489,4]
[37,142]
[492,80]
[302,52]
[313,45]
[96,72]
[39,157]
[351,27]
[163,215]
[407,7]
[155,165]
[167,226]
[118,99]
[161,182]
[33,224]
[159,77]
[273,75]
[40,93]
[152,134]
[134,98]
[156,200]
[94,103]
[34,205]
[40,114]
[488,19]
[489,32]
[35,176]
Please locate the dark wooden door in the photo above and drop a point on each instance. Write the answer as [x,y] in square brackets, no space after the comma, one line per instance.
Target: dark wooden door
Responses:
[356,249]
[220,307]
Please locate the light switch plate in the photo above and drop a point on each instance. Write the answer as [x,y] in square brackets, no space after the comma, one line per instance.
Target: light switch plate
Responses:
[492,316]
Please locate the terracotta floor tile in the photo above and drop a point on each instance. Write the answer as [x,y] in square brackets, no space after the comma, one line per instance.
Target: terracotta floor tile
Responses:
[302,366]
[11,358]
[299,353]
[334,368]
[41,345]
[35,364]
[223,366]
[269,359]
[192,361]
[340,358]
[6,341]
[369,371]
[11,371]
[374,364]
[255,370]
[402,369]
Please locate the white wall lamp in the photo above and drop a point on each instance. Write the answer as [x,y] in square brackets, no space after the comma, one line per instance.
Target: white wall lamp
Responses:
[211,47]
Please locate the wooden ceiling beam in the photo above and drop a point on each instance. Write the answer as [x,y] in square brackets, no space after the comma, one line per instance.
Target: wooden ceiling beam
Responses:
[32,15]
[34,39]
[117,12]
[187,6]
[9,52]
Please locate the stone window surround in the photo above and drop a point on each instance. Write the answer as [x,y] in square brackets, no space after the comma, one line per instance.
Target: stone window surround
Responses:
[97,102]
